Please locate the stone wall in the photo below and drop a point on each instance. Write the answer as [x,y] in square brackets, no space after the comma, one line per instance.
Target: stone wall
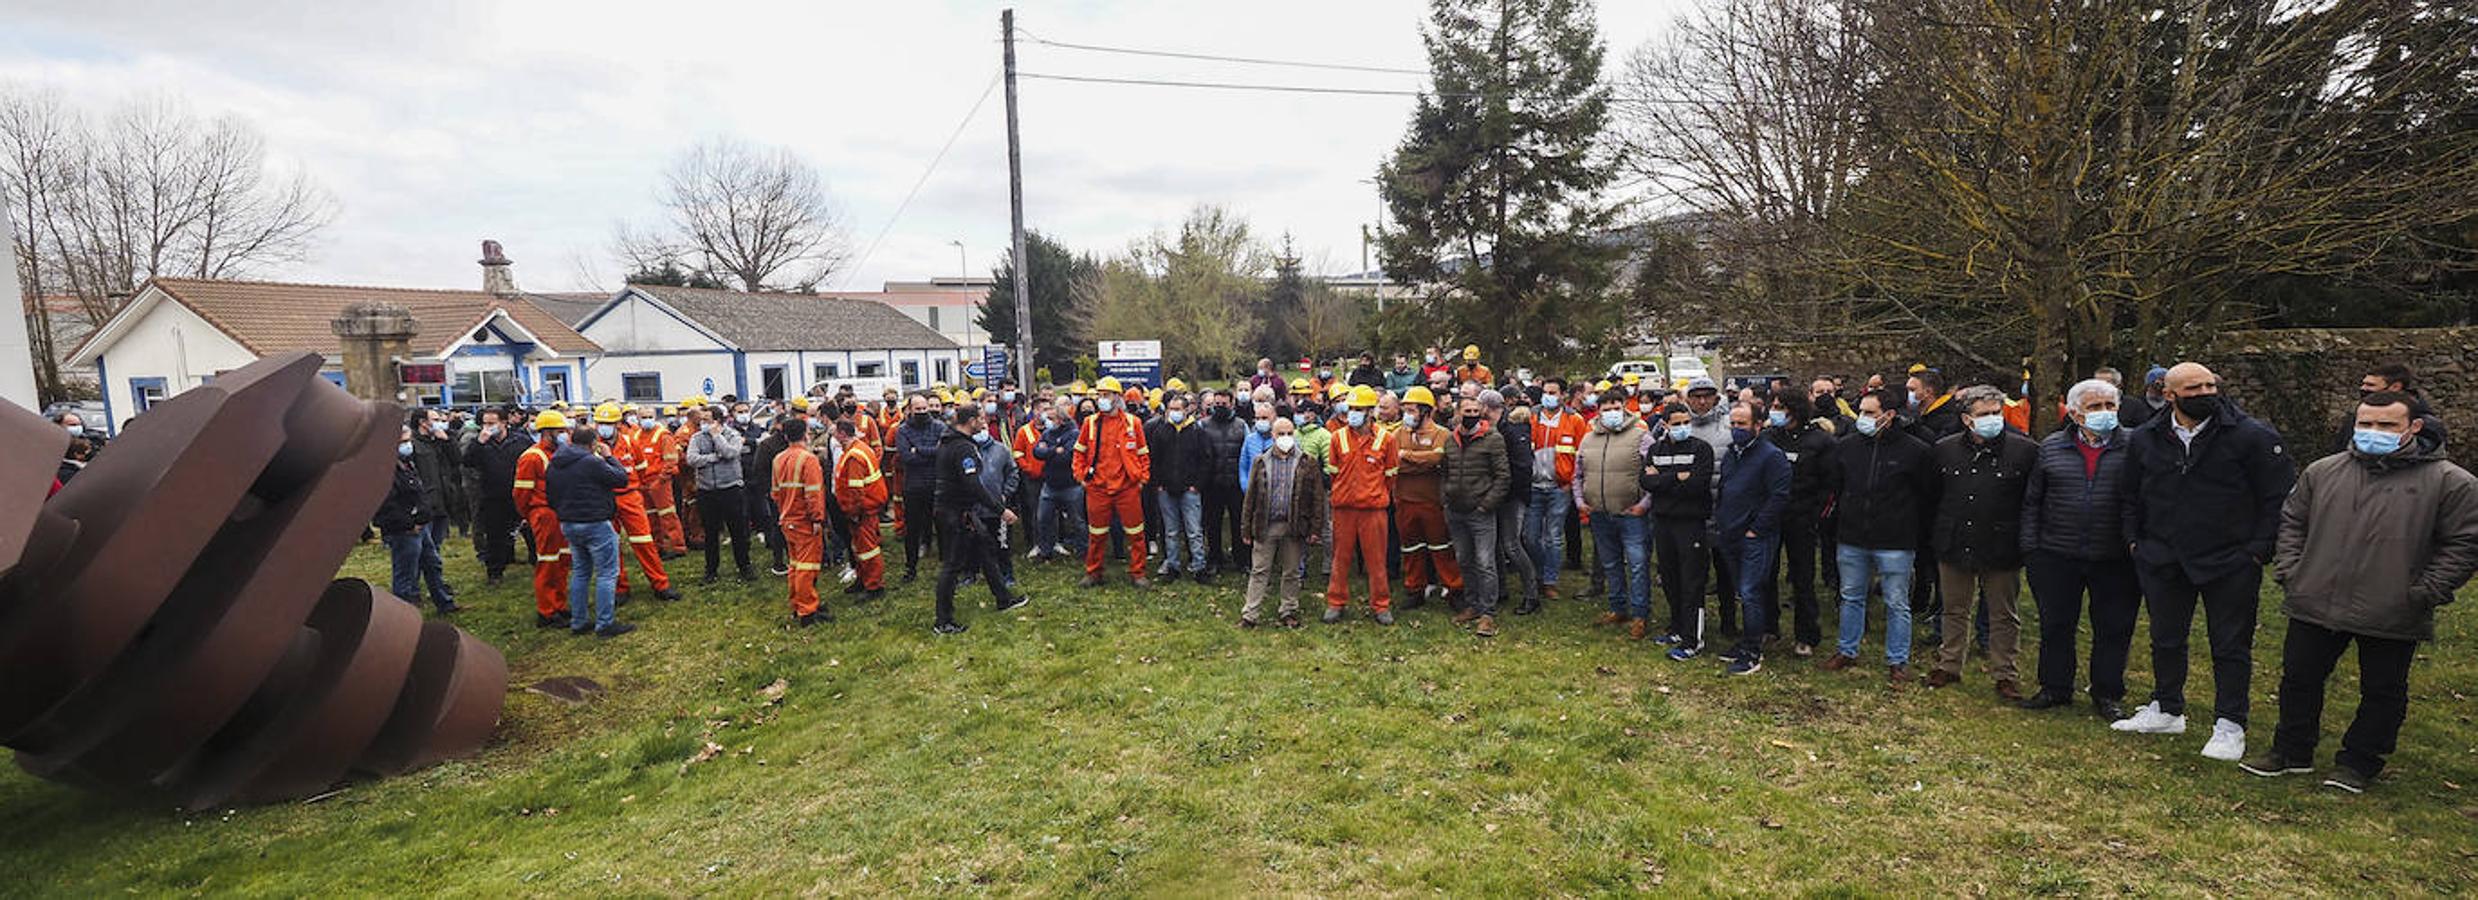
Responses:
[2304,380]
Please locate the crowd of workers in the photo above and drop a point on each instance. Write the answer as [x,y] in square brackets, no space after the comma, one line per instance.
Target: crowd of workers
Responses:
[1443,483]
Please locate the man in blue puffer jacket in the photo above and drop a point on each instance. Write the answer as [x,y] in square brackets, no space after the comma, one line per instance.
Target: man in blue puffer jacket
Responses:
[1746,521]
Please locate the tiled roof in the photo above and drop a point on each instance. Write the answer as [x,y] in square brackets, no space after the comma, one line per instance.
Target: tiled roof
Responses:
[759,322]
[273,317]
[569,308]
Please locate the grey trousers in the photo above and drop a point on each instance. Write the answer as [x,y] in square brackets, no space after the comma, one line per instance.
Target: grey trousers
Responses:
[1275,551]
[1476,545]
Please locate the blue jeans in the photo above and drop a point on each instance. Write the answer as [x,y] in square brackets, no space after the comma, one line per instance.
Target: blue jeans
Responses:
[1544,532]
[1857,564]
[593,573]
[1057,502]
[1628,538]
[1183,529]
[1748,562]
[413,558]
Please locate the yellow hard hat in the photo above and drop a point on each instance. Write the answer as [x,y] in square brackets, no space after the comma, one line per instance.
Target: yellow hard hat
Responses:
[561,405]
[800,403]
[1079,388]
[608,413]
[1153,396]
[548,420]
[976,393]
[1299,386]
[1633,378]
[1108,385]
[1338,391]
[1471,351]
[1917,367]
[1419,394]
[1178,385]
[1363,396]
[671,410]
[937,385]
[1602,386]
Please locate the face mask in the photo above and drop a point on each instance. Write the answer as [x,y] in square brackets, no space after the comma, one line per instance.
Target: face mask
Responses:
[1823,401]
[2101,422]
[1612,419]
[742,418]
[1303,420]
[405,450]
[1741,436]
[1356,418]
[1009,396]
[1411,418]
[1915,400]
[989,409]
[630,421]
[1106,404]
[1681,432]
[1431,358]
[2375,443]
[1987,427]
[562,439]
[1264,426]
[1178,416]
[980,437]
[2199,408]
[1549,401]
[1325,374]
[1591,399]
[920,418]
[605,431]
[1221,414]
[75,430]
[1286,443]
[1867,424]
[1778,418]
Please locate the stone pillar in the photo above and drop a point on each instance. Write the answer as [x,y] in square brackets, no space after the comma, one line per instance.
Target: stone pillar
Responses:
[497,278]
[375,337]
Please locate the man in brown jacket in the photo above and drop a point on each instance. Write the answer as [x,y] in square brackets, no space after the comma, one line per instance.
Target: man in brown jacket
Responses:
[1283,514]
[1419,504]
[2372,540]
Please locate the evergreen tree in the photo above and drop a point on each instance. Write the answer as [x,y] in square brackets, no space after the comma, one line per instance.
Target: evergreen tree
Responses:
[1495,190]
[1059,320]
[1286,307]
[669,274]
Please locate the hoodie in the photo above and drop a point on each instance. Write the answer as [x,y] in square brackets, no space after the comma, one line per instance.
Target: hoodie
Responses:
[581,485]
[2372,545]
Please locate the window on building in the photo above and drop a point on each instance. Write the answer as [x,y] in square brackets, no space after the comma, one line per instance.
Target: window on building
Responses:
[946,370]
[485,387]
[642,387]
[827,371]
[554,385]
[911,374]
[869,370]
[933,320]
[146,392]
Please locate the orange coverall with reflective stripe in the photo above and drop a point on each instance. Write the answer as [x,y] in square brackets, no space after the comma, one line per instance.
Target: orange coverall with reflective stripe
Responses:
[800,492]
[860,490]
[1362,465]
[1114,463]
[532,494]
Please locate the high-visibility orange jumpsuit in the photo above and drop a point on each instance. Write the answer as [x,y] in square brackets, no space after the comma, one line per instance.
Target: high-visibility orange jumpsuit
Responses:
[550,549]
[800,492]
[1363,464]
[629,517]
[1419,511]
[860,490]
[684,488]
[1114,463]
[661,506]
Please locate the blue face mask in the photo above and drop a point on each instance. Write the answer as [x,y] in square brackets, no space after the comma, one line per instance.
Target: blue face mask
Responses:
[562,439]
[1264,426]
[1867,424]
[1778,418]
[980,437]
[1987,427]
[404,450]
[1681,432]
[606,431]
[2100,422]
[1106,404]
[1357,418]
[1741,436]
[1612,419]
[1303,420]
[1178,416]
[1915,400]
[1549,401]
[2375,443]
[989,409]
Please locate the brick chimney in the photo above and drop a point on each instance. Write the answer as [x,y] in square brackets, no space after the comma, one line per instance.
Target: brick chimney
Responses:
[496,278]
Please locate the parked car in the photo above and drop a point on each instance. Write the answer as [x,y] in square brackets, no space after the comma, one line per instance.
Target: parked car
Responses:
[1646,369]
[1683,369]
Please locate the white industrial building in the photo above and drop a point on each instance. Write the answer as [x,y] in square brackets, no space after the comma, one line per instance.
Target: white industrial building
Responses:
[664,343]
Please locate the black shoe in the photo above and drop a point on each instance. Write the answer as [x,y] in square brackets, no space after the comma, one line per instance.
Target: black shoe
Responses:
[1529,607]
[580,632]
[2349,779]
[853,588]
[491,580]
[667,595]
[911,575]
[780,571]
[1017,602]
[710,580]
[821,615]
[866,596]
[619,599]
[448,606]
[1167,576]
[2046,700]
[1204,579]
[948,628]
[552,621]
[1413,600]
[2108,710]
[2273,764]
[747,576]
[614,629]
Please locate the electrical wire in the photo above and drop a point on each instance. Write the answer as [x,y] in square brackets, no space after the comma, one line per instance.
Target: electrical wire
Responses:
[1209,57]
[969,115]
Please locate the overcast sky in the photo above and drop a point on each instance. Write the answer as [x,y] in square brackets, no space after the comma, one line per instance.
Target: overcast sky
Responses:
[437,123]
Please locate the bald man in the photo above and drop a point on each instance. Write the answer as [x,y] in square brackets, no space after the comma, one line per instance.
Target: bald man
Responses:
[2202,510]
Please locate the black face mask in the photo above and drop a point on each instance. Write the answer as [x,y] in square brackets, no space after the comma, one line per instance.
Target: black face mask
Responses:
[1221,414]
[2199,408]
[920,418]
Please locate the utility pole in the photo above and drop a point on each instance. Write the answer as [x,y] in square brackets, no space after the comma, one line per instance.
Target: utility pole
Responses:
[1015,203]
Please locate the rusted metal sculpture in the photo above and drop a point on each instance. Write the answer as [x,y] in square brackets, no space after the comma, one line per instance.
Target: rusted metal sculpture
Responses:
[168,622]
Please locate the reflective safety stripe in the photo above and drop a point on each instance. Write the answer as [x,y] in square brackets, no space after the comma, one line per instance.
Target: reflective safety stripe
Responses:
[1564,448]
[668,511]
[524,484]
[640,539]
[1136,529]
[798,566]
[1103,530]
[864,482]
[872,554]
[812,488]
[787,485]
[1389,473]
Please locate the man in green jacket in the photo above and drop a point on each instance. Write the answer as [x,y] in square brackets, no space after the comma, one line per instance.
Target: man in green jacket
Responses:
[2372,540]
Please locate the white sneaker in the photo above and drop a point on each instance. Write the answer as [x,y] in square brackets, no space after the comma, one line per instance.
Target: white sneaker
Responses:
[847,576]
[2150,720]
[2228,741]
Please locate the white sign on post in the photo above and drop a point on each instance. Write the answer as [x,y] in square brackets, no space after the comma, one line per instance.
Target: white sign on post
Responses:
[1112,351]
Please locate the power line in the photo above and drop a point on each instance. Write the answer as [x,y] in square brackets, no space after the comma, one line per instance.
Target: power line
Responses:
[924,179]
[1318,89]
[1247,60]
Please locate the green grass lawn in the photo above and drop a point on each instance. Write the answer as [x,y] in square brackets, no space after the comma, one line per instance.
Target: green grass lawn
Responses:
[1119,742]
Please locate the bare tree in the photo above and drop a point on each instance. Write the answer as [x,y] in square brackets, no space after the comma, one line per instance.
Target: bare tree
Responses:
[154,191]
[758,217]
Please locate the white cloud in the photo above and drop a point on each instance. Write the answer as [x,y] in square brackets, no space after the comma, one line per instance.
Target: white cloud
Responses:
[441,122]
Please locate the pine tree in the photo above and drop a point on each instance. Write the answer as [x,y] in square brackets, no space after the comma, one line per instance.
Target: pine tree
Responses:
[1495,190]
[1286,306]
[1058,319]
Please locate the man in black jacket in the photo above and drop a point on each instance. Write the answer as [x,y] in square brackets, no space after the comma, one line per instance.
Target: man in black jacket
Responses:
[970,544]
[770,443]
[1885,486]
[1226,435]
[492,456]
[1795,428]
[915,447]
[1982,473]
[2202,507]
[1515,424]
[403,521]
[2073,541]
[583,476]
[1181,455]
